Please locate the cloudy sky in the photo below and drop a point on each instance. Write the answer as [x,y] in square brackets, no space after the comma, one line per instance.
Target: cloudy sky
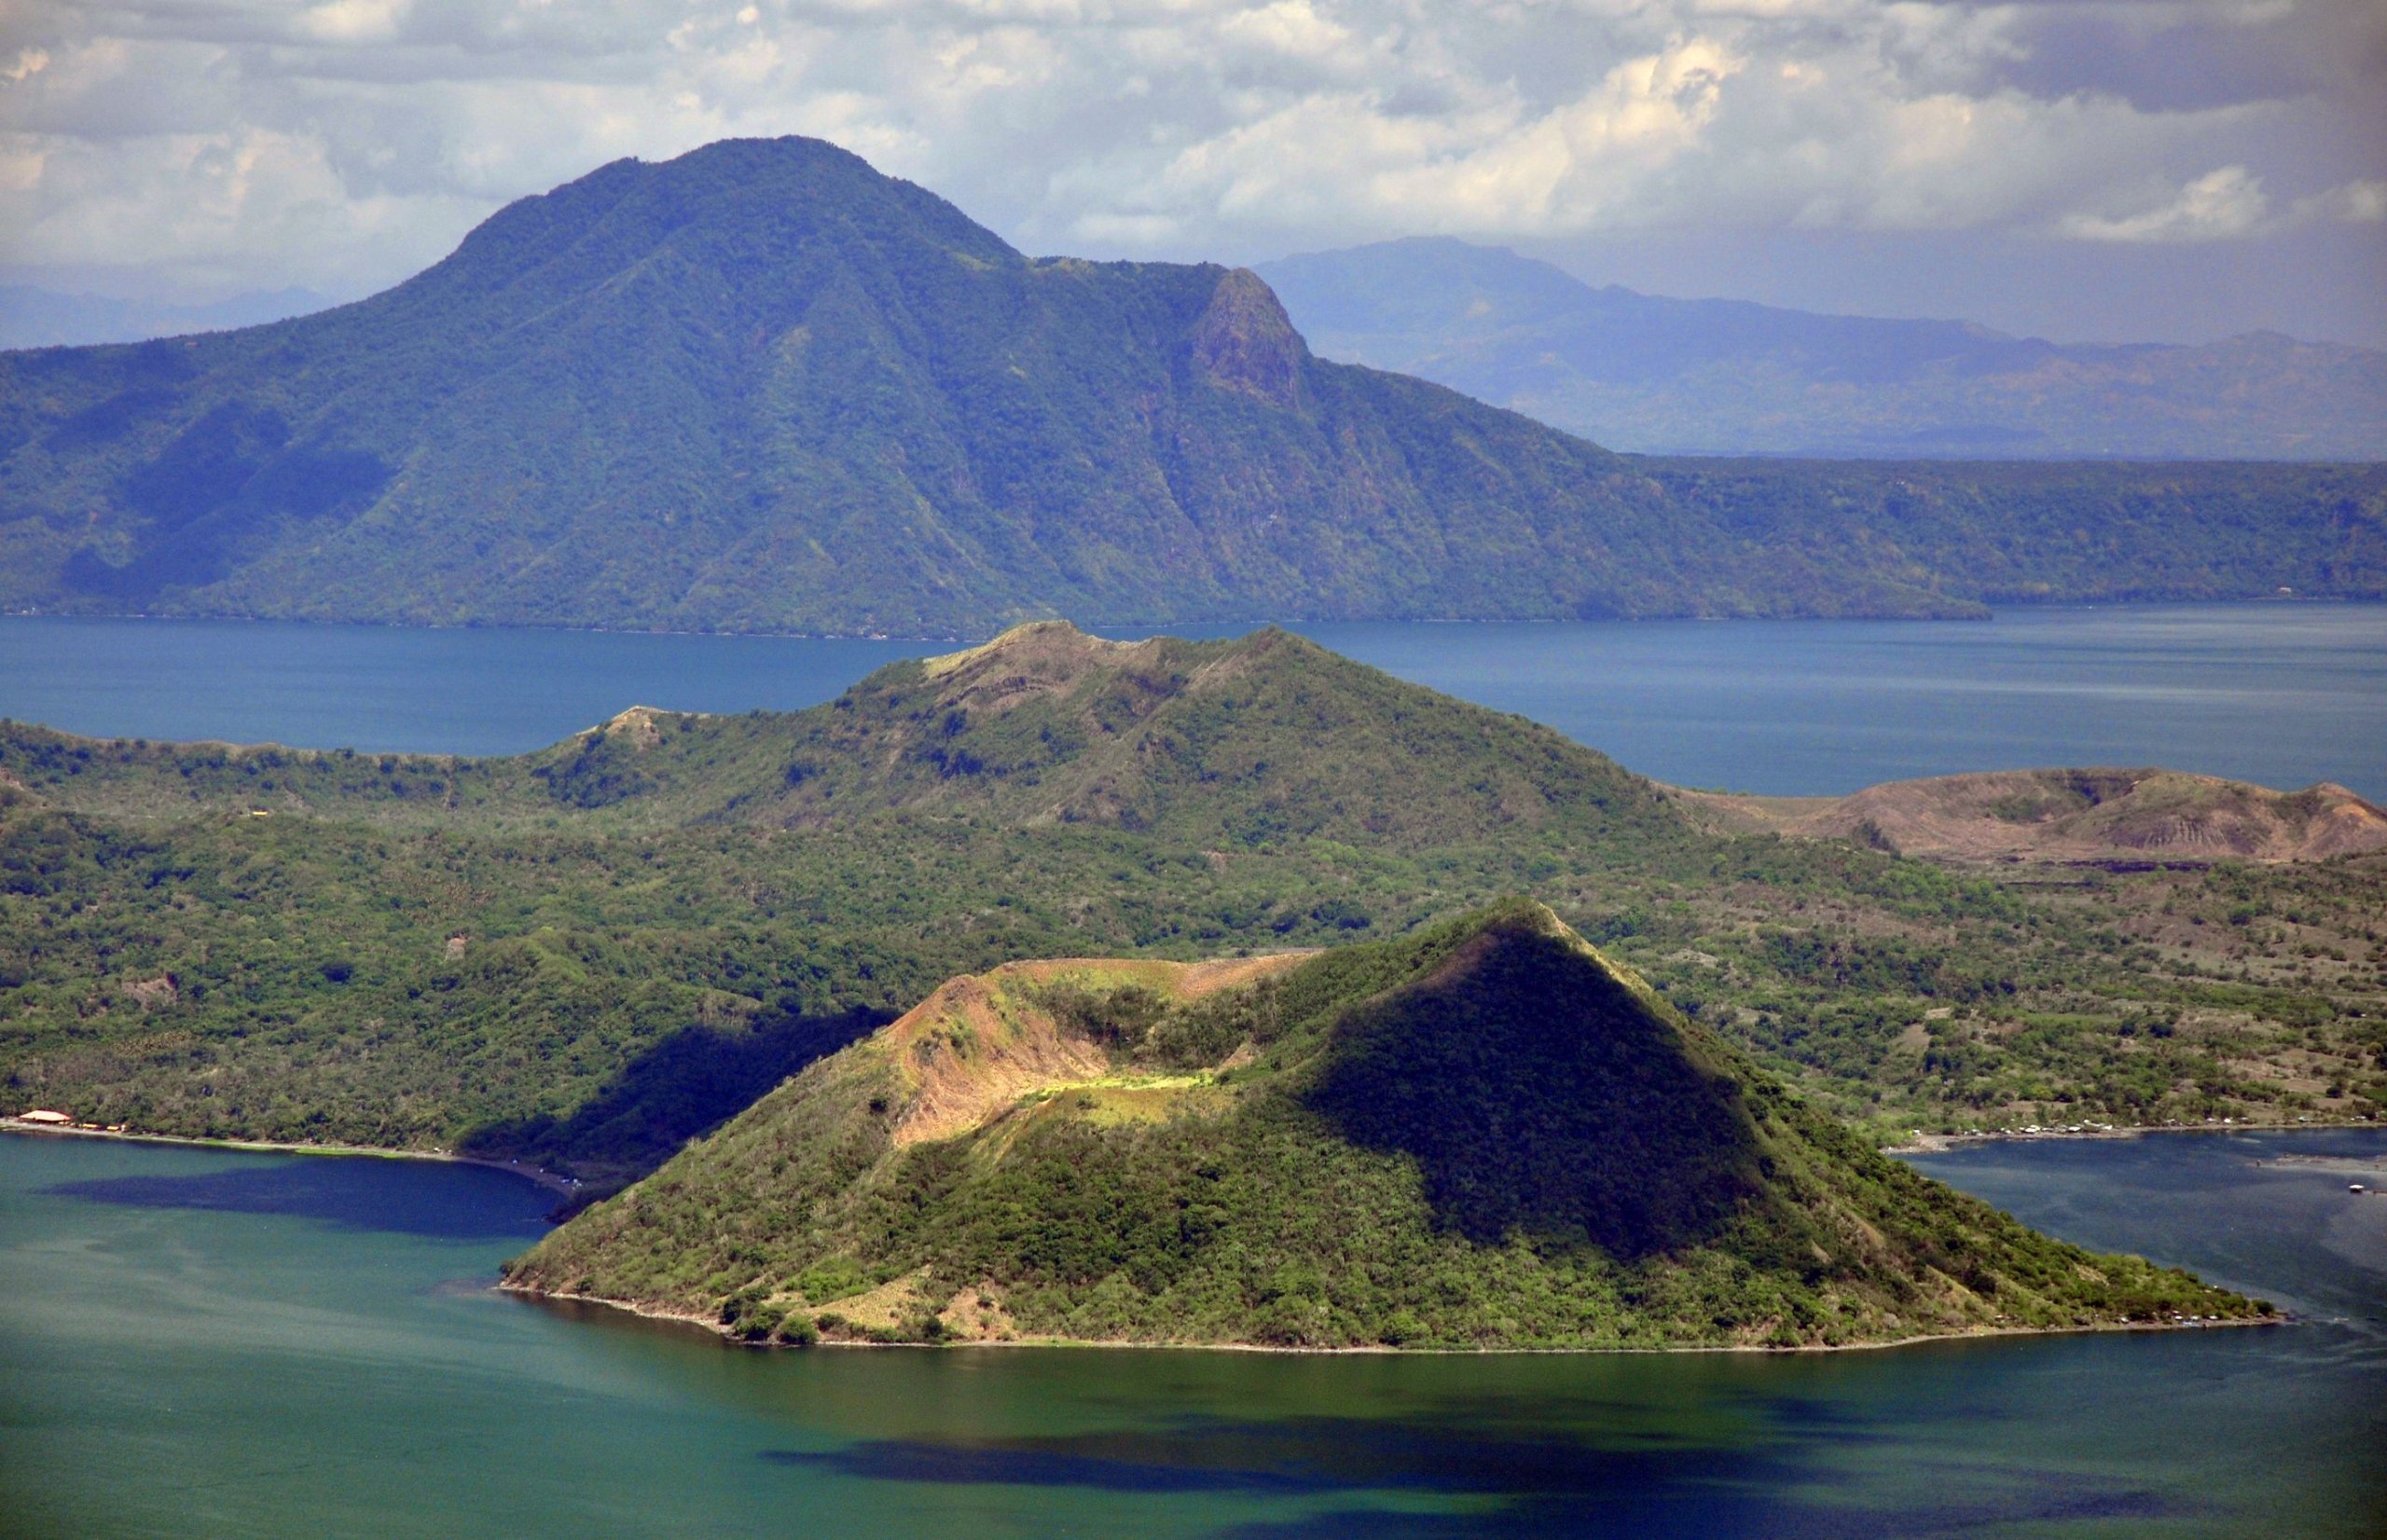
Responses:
[2125,169]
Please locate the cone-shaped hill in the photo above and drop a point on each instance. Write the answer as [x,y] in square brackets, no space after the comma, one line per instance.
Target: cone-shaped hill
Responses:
[1484,1135]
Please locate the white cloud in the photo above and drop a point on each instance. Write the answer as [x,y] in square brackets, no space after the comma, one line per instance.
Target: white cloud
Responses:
[344,142]
[2231,202]
[2215,206]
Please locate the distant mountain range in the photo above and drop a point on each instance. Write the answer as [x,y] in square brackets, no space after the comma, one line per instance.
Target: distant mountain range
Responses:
[44,318]
[1638,372]
[763,387]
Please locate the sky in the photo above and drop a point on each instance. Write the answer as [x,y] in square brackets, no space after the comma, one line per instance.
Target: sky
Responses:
[2110,169]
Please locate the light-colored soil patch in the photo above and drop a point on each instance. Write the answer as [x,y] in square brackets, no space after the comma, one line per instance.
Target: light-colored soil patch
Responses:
[982,1043]
[977,1315]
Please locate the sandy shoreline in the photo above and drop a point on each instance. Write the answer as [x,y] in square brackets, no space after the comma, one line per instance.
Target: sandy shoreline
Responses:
[714,1327]
[539,1174]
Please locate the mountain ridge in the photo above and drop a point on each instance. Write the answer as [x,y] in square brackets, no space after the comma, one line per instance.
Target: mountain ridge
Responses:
[762,387]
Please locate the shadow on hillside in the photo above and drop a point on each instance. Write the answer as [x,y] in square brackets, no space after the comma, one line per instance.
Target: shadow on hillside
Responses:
[1538,1095]
[687,1084]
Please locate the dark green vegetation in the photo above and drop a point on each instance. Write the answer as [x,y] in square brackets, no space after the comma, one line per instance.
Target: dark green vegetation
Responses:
[1481,1135]
[588,954]
[1724,376]
[763,387]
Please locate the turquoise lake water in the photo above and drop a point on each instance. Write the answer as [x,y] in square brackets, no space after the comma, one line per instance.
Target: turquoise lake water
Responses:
[203,1343]
[2284,694]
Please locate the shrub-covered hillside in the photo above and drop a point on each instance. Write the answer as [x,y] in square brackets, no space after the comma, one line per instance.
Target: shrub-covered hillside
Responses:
[587,955]
[1482,1136]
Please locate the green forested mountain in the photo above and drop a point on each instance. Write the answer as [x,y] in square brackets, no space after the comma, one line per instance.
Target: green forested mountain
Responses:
[1482,1136]
[764,387]
[585,954]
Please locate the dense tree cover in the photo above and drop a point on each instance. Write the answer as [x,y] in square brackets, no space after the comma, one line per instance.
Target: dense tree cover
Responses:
[434,953]
[763,387]
[1481,1135]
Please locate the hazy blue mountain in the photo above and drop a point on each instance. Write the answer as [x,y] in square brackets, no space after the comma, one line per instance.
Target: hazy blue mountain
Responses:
[763,387]
[32,317]
[1639,372]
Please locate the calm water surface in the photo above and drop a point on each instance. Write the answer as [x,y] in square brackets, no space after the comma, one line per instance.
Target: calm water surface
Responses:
[2282,695]
[201,1344]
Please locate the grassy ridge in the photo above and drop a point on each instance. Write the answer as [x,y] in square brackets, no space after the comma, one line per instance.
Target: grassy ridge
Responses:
[1482,1136]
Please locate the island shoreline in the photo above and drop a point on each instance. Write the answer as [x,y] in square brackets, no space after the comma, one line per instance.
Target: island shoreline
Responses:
[714,1329]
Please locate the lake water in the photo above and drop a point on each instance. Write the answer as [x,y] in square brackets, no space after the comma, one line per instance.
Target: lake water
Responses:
[2282,695]
[202,1343]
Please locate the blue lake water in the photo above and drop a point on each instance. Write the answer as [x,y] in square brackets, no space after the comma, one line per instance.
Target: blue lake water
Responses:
[202,1343]
[2282,695]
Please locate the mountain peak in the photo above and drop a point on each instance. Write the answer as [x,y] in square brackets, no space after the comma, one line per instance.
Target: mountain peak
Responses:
[764,387]
[1029,642]
[1638,1140]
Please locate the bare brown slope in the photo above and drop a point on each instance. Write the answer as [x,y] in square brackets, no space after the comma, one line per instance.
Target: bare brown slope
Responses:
[983,1041]
[2069,816]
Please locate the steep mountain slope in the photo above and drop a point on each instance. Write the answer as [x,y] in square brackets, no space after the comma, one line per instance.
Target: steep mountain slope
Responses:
[1487,1136]
[1723,376]
[2070,815]
[763,387]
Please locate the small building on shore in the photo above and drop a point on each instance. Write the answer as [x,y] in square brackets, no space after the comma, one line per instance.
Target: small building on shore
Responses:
[43,1115]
